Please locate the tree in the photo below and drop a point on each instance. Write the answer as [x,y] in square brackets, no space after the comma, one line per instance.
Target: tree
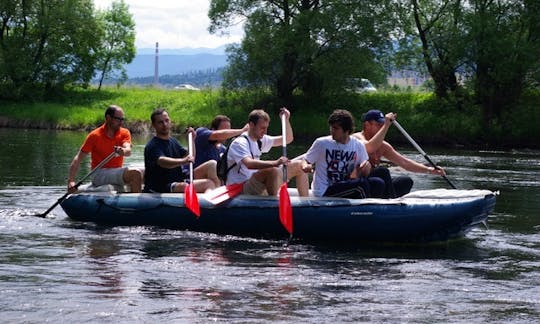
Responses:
[432,35]
[118,43]
[313,46]
[45,45]
[493,44]
[504,51]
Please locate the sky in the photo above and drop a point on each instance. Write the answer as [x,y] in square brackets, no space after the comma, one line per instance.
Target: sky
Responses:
[174,24]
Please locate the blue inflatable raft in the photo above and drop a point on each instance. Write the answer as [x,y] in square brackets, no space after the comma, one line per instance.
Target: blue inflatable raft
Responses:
[421,216]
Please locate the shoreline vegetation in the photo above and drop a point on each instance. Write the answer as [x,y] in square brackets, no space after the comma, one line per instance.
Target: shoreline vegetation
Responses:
[427,119]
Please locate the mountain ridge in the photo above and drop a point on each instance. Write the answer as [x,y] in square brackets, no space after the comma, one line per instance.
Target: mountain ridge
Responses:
[220,50]
[144,65]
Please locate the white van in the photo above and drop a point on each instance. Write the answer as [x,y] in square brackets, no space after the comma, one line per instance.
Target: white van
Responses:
[365,86]
[360,85]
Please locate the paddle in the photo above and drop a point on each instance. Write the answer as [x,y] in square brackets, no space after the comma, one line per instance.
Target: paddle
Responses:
[190,196]
[224,193]
[101,164]
[285,208]
[419,149]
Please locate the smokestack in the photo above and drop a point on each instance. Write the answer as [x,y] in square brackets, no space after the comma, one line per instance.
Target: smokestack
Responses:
[156,66]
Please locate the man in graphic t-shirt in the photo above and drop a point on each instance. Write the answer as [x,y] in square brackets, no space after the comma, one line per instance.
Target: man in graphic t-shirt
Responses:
[341,163]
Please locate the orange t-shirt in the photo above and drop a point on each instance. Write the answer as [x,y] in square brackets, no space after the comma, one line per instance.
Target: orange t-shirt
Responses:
[100,146]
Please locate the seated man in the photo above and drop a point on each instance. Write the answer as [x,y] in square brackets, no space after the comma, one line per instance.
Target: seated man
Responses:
[341,162]
[263,177]
[373,121]
[210,145]
[209,141]
[100,143]
[164,158]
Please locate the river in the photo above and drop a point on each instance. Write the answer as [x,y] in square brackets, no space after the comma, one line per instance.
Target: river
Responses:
[55,269]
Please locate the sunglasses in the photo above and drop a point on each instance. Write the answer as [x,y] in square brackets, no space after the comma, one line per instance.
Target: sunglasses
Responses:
[118,118]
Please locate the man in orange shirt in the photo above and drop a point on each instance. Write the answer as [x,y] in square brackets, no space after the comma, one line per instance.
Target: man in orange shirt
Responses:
[100,143]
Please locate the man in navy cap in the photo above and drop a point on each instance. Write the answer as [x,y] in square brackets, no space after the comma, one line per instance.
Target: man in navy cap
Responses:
[373,120]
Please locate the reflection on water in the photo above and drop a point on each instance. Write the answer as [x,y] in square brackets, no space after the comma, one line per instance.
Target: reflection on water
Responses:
[101,254]
[55,269]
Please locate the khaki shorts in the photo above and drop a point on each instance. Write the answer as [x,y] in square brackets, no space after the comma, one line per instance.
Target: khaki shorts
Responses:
[254,187]
[114,176]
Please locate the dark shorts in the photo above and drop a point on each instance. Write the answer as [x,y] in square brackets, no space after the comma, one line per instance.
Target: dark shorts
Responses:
[357,188]
[394,186]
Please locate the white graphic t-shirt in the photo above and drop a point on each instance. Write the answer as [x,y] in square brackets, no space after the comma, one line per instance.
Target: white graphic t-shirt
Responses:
[333,161]
[239,149]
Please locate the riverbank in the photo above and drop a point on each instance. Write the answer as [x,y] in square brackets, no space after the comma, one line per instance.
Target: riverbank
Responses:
[426,118]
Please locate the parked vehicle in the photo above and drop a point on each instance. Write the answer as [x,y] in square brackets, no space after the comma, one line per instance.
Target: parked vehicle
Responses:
[186,87]
[365,86]
[359,85]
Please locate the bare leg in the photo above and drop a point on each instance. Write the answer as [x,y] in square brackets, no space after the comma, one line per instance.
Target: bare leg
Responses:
[207,170]
[294,170]
[133,178]
[203,185]
[200,185]
[271,179]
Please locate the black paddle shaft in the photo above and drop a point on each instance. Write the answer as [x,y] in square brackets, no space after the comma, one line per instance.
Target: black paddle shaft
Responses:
[101,164]
[419,149]
[442,175]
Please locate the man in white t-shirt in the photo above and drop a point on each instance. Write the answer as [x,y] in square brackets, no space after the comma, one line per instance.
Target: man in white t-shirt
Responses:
[341,162]
[263,177]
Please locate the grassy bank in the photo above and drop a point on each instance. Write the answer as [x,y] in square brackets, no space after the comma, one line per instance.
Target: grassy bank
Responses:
[83,109]
[426,118]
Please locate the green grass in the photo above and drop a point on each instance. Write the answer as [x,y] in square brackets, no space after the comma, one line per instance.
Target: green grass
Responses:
[86,107]
[426,118]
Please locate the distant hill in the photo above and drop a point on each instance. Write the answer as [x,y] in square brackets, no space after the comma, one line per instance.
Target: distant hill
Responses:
[183,51]
[143,65]
[201,67]
[210,78]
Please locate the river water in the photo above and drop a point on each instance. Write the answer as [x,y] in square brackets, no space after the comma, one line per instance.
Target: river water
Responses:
[55,269]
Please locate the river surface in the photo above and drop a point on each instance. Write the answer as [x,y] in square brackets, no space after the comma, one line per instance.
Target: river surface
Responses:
[55,269]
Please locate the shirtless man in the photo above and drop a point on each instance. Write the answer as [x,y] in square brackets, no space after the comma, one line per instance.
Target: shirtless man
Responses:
[372,121]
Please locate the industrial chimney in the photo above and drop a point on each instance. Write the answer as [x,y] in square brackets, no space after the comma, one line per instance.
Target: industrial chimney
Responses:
[156,67]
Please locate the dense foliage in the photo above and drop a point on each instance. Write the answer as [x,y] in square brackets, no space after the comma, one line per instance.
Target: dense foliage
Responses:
[312,46]
[491,48]
[483,53]
[118,45]
[48,45]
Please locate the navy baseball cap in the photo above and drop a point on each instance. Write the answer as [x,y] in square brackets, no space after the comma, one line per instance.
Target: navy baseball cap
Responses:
[374,114]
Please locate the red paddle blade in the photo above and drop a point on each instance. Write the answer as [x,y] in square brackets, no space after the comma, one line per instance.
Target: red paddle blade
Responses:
[285,208]
[191,201]
[224,193]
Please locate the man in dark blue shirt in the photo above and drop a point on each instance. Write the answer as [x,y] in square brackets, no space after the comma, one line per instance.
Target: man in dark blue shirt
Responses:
[164,158]
[209,142]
